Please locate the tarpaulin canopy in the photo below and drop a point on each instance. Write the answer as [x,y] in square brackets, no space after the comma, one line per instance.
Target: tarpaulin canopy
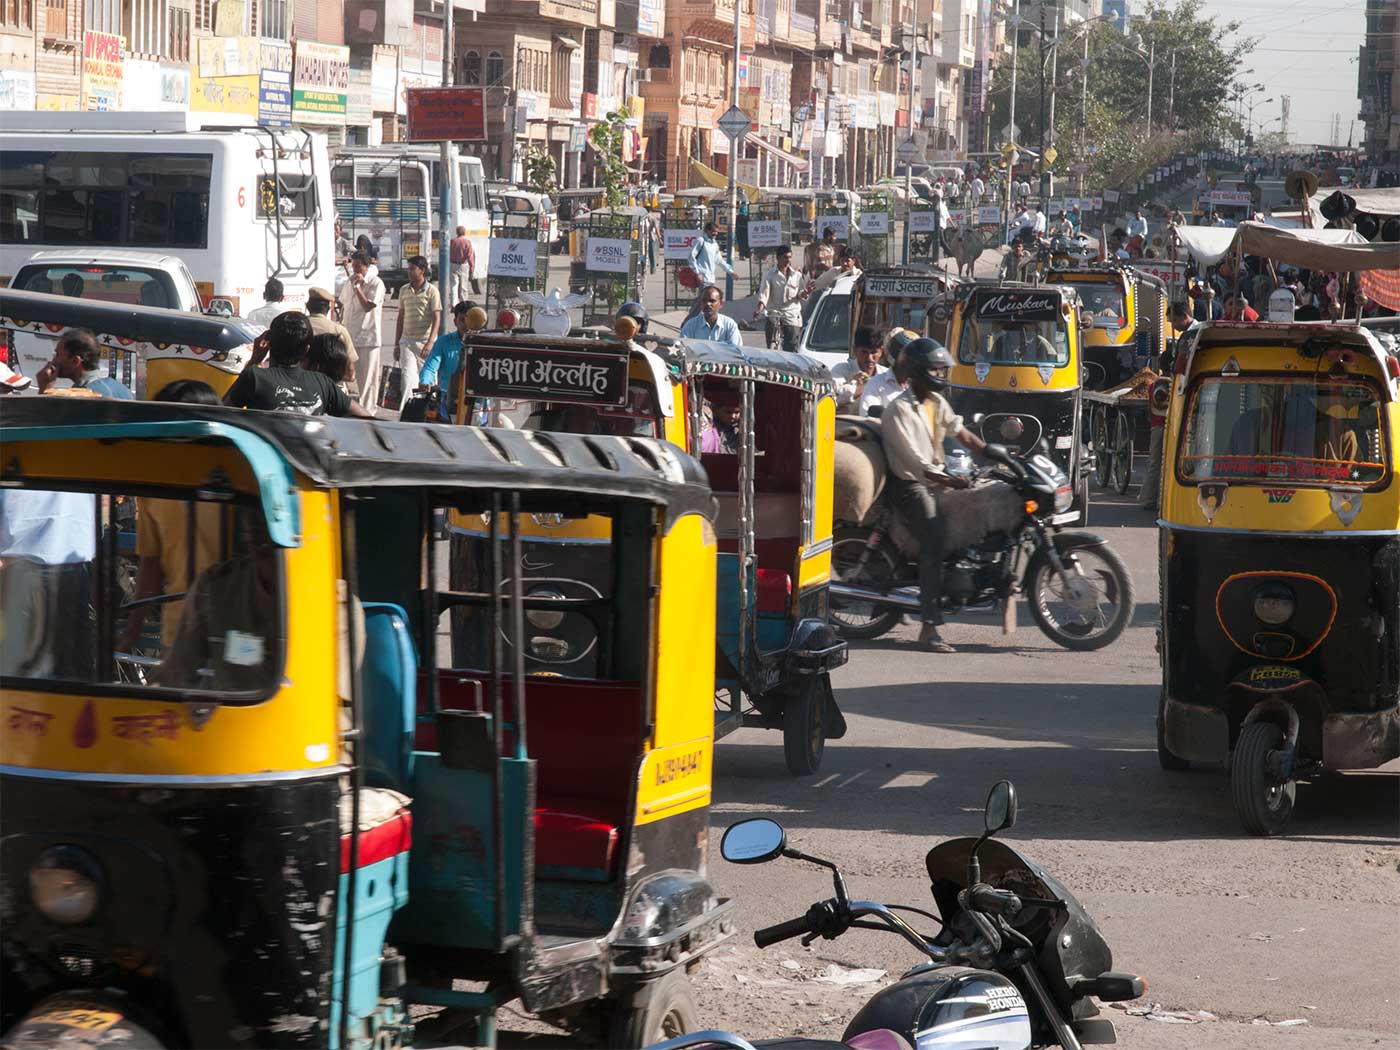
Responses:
[1340,250]
[1383,202]
[710,177]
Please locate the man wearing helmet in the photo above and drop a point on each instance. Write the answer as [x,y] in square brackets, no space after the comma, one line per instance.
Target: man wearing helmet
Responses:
[637,312]
[914,426]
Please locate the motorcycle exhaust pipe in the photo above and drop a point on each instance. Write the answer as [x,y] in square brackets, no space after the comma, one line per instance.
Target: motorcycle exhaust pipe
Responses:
[900,599]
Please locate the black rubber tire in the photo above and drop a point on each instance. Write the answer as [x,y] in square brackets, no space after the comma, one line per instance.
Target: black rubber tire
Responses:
[1122,453]
[881,623]
[1263,807]
[804,731]
[1040,565]
[658,1009]
[1168,761]
[1103,457]
[1081,500]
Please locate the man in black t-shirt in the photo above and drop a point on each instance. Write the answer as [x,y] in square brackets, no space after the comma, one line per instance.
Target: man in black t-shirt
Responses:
[286,386]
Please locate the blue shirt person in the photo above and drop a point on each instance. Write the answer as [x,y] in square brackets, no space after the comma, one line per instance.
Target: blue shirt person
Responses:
[706,257]
[445,357]
[709,323]
[78,358]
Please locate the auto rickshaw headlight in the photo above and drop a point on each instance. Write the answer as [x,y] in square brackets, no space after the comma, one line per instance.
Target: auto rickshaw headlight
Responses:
[1011,428]
[1274,603]
[543,618]
[65,885]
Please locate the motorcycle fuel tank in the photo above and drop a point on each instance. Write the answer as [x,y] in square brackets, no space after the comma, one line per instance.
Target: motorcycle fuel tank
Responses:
[950,1008]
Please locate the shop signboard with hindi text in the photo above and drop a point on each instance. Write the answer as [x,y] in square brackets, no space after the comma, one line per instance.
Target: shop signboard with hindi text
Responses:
[320,83]
[1172,274]
[539,373]
[895,286]
[446,114]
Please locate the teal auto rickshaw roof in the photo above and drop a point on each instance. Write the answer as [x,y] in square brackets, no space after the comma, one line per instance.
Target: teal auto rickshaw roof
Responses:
[705,357]
[363,453]
[31,311]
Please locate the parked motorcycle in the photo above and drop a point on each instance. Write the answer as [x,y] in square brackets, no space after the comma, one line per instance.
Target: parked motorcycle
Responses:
[1015,965]
[1078,589]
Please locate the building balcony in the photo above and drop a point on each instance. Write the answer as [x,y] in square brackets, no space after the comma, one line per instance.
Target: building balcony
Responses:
[583,13]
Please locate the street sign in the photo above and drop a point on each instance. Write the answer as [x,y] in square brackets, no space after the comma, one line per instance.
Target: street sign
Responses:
[1050,154]
[735,123]
[909,151]
[1011,133]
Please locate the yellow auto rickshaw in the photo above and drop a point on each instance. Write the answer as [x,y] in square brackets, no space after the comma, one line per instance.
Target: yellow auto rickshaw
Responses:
[1127,313]
[147,346]
[1016,376]
[289,822]
[1280,549]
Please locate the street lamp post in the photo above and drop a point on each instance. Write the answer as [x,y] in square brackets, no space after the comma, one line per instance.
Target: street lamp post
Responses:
[733,170]
[1011,120]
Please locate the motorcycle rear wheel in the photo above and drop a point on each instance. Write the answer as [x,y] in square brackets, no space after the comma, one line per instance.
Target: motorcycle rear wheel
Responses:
[860,619]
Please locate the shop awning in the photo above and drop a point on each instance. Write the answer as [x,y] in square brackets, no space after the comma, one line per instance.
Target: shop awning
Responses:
[710,177]
[797,162]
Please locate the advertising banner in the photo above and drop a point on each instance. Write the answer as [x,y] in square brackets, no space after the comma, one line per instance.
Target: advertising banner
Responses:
[874,222]
[678,242]
[102,72]
[359,98]
[1110,196]
[511,258]
[320,83]
[274,84]
[765,233]
[234,56]
[1230,198]
[923,222]
[840,223]
[445,114]
[224,94]
[607,255]
[16,89]
[988,215]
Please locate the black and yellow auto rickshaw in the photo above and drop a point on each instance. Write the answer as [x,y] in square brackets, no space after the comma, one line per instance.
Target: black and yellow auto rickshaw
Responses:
[1280,559]
[146,346]
[1016,374]
[776,649]
[1127,314]
[295,819]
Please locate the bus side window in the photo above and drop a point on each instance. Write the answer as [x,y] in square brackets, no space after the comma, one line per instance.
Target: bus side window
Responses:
[342,181]
[411,184]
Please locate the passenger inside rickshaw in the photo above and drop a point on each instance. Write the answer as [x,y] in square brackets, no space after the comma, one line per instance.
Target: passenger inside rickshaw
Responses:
[1105,303]
[778,413]
[584,721]
[1293,429]
[1013,343]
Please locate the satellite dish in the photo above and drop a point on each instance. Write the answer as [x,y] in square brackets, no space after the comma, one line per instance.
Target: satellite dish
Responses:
[1300,184]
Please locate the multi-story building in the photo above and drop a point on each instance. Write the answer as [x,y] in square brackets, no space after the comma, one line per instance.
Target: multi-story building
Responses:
[1377,86]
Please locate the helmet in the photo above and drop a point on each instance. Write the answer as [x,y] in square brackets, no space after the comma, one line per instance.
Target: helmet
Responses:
[921,357]
[637,312]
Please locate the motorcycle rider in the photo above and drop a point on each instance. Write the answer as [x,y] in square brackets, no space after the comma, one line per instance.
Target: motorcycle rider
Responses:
[914,426]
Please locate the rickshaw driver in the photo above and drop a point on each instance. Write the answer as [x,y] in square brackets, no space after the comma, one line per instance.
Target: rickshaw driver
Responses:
[913,429]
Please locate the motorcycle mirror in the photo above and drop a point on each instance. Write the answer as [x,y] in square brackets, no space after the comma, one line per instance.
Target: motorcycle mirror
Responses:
[1000,812]
[997,454]
[977,418]
[752,841]
[875,411]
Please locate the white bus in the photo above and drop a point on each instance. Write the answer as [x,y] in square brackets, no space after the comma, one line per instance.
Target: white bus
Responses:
[390,194]
[237,204]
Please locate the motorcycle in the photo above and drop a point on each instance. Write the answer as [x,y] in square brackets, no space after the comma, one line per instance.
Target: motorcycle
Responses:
[1078,589]
[1016,964]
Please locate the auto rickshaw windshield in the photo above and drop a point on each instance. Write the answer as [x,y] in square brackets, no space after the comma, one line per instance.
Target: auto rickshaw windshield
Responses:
[1105,302]
[1266,429]
[1013,343]
[637,418]
[113,589]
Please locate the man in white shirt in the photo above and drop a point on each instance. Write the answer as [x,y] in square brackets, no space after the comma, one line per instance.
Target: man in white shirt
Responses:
[885,387]
[361,307]
[780,302]
[1137,225]
[979,189]
[848,265]
[1020,222]
[852,375]
[273,294]
[706,259]
[1037,221]
[1063,227]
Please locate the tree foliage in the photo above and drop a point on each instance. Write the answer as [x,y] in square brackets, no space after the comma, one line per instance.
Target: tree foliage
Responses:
[606,137]
[540,171]
[1104,127]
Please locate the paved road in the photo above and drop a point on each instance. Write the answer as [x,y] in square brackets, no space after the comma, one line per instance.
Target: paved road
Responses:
[1301,928]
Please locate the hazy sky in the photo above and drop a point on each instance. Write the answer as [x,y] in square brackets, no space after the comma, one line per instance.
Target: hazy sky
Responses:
[1306,50]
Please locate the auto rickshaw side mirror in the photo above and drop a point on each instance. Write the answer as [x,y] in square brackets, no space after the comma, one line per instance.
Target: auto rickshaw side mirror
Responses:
[220,308]
[753,841]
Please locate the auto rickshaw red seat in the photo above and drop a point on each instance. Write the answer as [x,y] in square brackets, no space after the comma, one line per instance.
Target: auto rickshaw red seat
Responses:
[386,827]
[585,738]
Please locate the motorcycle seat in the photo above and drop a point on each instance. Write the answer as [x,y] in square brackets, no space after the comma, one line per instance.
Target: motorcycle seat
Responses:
[877,1039]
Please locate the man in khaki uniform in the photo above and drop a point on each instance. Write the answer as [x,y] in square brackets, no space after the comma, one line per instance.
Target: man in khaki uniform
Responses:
[914,426]
[318,311]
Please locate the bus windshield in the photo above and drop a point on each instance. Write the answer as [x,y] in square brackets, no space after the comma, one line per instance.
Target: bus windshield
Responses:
[1301,430]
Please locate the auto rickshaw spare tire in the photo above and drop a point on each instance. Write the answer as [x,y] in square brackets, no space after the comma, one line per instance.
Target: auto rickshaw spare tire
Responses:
[1263,803]
[1168,761]
[858,478]
[804,725]
[655,1010]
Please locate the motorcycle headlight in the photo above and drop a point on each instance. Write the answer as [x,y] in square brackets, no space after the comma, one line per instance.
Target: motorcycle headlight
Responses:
[1274,603]
[65,885]
[1064,497]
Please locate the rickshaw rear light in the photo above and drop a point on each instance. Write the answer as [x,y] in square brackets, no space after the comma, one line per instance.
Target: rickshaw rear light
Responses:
[1392,366]
[774,590]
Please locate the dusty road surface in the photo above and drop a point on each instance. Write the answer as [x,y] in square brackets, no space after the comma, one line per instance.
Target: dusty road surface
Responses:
[1303,928]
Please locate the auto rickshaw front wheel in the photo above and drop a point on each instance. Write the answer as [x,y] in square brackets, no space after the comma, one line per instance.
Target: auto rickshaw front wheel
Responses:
[804,725]
[658,1009]
[1263,801]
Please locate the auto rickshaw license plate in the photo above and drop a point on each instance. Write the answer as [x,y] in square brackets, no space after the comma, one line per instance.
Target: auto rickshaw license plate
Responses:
[89,1020]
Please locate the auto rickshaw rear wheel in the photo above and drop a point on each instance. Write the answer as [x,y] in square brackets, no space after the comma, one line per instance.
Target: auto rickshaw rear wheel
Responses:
[804,725]
[1103,457]
[1263,802]
[662,1008]
[1122,453]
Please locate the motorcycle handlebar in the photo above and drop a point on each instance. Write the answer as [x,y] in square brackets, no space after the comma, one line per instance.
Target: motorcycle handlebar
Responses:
[994,901]
[782,931]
